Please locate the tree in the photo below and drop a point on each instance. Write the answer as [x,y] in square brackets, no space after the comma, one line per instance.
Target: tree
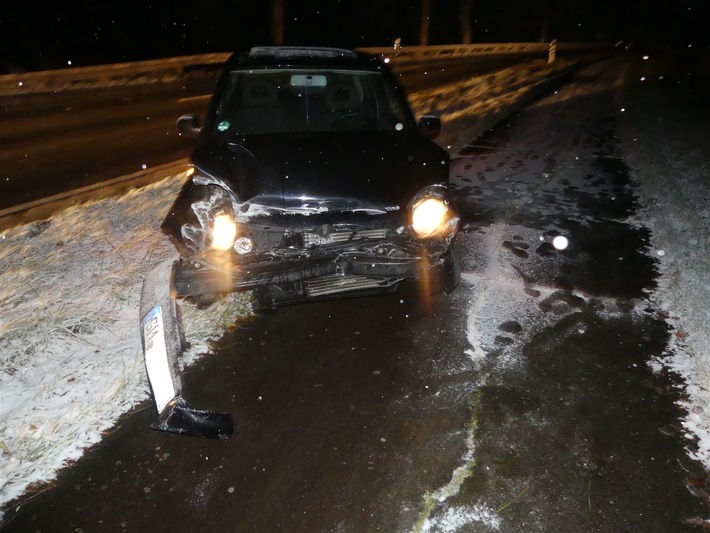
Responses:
[277,21]
[465,8]
[424,26]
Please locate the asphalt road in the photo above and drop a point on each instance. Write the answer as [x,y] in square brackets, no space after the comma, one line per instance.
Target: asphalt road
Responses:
[49,151]
[339,418]
[575,432]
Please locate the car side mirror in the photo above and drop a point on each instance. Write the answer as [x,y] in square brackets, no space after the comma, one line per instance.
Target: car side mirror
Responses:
[430,126]
[189,126]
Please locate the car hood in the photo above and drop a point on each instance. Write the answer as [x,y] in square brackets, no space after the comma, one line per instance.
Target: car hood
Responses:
[345,171]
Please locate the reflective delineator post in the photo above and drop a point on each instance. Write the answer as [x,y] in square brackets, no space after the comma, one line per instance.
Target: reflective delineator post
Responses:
[552,54]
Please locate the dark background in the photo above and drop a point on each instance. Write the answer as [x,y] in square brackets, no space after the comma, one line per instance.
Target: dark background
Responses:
[59,33]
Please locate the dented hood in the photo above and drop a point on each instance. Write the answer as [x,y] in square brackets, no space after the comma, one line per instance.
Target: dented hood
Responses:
[340,170]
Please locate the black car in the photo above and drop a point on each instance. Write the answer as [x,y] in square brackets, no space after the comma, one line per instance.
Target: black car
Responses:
[311,180]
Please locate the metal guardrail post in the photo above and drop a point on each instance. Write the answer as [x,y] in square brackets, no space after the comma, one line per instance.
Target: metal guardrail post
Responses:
[552,54]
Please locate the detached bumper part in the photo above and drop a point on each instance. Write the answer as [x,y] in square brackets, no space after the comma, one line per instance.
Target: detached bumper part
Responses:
[180,417]
[163,341]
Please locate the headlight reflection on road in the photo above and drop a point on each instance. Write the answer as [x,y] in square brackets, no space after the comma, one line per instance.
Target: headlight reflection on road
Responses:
[560,242]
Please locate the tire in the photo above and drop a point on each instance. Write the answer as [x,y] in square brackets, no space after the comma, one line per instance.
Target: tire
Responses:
[261,301]
[451,274]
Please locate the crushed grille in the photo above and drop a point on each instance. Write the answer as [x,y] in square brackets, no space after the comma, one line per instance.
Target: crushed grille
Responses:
[317,239]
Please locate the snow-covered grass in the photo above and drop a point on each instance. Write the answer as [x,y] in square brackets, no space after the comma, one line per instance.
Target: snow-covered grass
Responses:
[70,356]
[468,108]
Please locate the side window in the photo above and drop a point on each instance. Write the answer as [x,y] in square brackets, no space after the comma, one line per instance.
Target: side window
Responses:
[226,100]
[253,105]
[396,106]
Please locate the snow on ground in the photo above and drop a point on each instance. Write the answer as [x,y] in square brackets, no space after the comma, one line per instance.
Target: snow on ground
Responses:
[70,356]
[665,142]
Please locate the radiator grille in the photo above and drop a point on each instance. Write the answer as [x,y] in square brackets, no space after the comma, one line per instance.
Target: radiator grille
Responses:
[339,284]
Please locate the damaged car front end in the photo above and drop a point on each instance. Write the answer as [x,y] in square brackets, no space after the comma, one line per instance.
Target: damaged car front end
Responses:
[305,248]
[310,180]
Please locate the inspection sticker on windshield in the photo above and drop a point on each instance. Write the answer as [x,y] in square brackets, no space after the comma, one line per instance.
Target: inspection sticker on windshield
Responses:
[156,358]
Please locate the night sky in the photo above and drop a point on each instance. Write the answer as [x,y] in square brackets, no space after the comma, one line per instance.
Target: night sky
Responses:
[53,33]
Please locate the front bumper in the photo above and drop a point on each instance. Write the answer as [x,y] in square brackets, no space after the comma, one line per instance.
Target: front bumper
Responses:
[193,278]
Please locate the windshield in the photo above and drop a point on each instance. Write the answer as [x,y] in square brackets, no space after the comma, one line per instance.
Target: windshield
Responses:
[310,100]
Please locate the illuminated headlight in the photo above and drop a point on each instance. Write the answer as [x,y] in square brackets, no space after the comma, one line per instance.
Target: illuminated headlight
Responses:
[429,216]
[224,232]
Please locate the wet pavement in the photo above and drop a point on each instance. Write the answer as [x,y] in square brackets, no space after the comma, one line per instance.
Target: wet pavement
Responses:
[344,415]
[522,402]
[575,432]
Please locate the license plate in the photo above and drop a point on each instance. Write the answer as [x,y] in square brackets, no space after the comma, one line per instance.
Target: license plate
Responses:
[156,358]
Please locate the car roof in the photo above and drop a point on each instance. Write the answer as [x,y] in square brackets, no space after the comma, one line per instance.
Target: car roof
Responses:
[302,56]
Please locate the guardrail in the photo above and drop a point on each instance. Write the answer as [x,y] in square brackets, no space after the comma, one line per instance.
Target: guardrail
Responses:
[429,53]
[139,72]
[176,68]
